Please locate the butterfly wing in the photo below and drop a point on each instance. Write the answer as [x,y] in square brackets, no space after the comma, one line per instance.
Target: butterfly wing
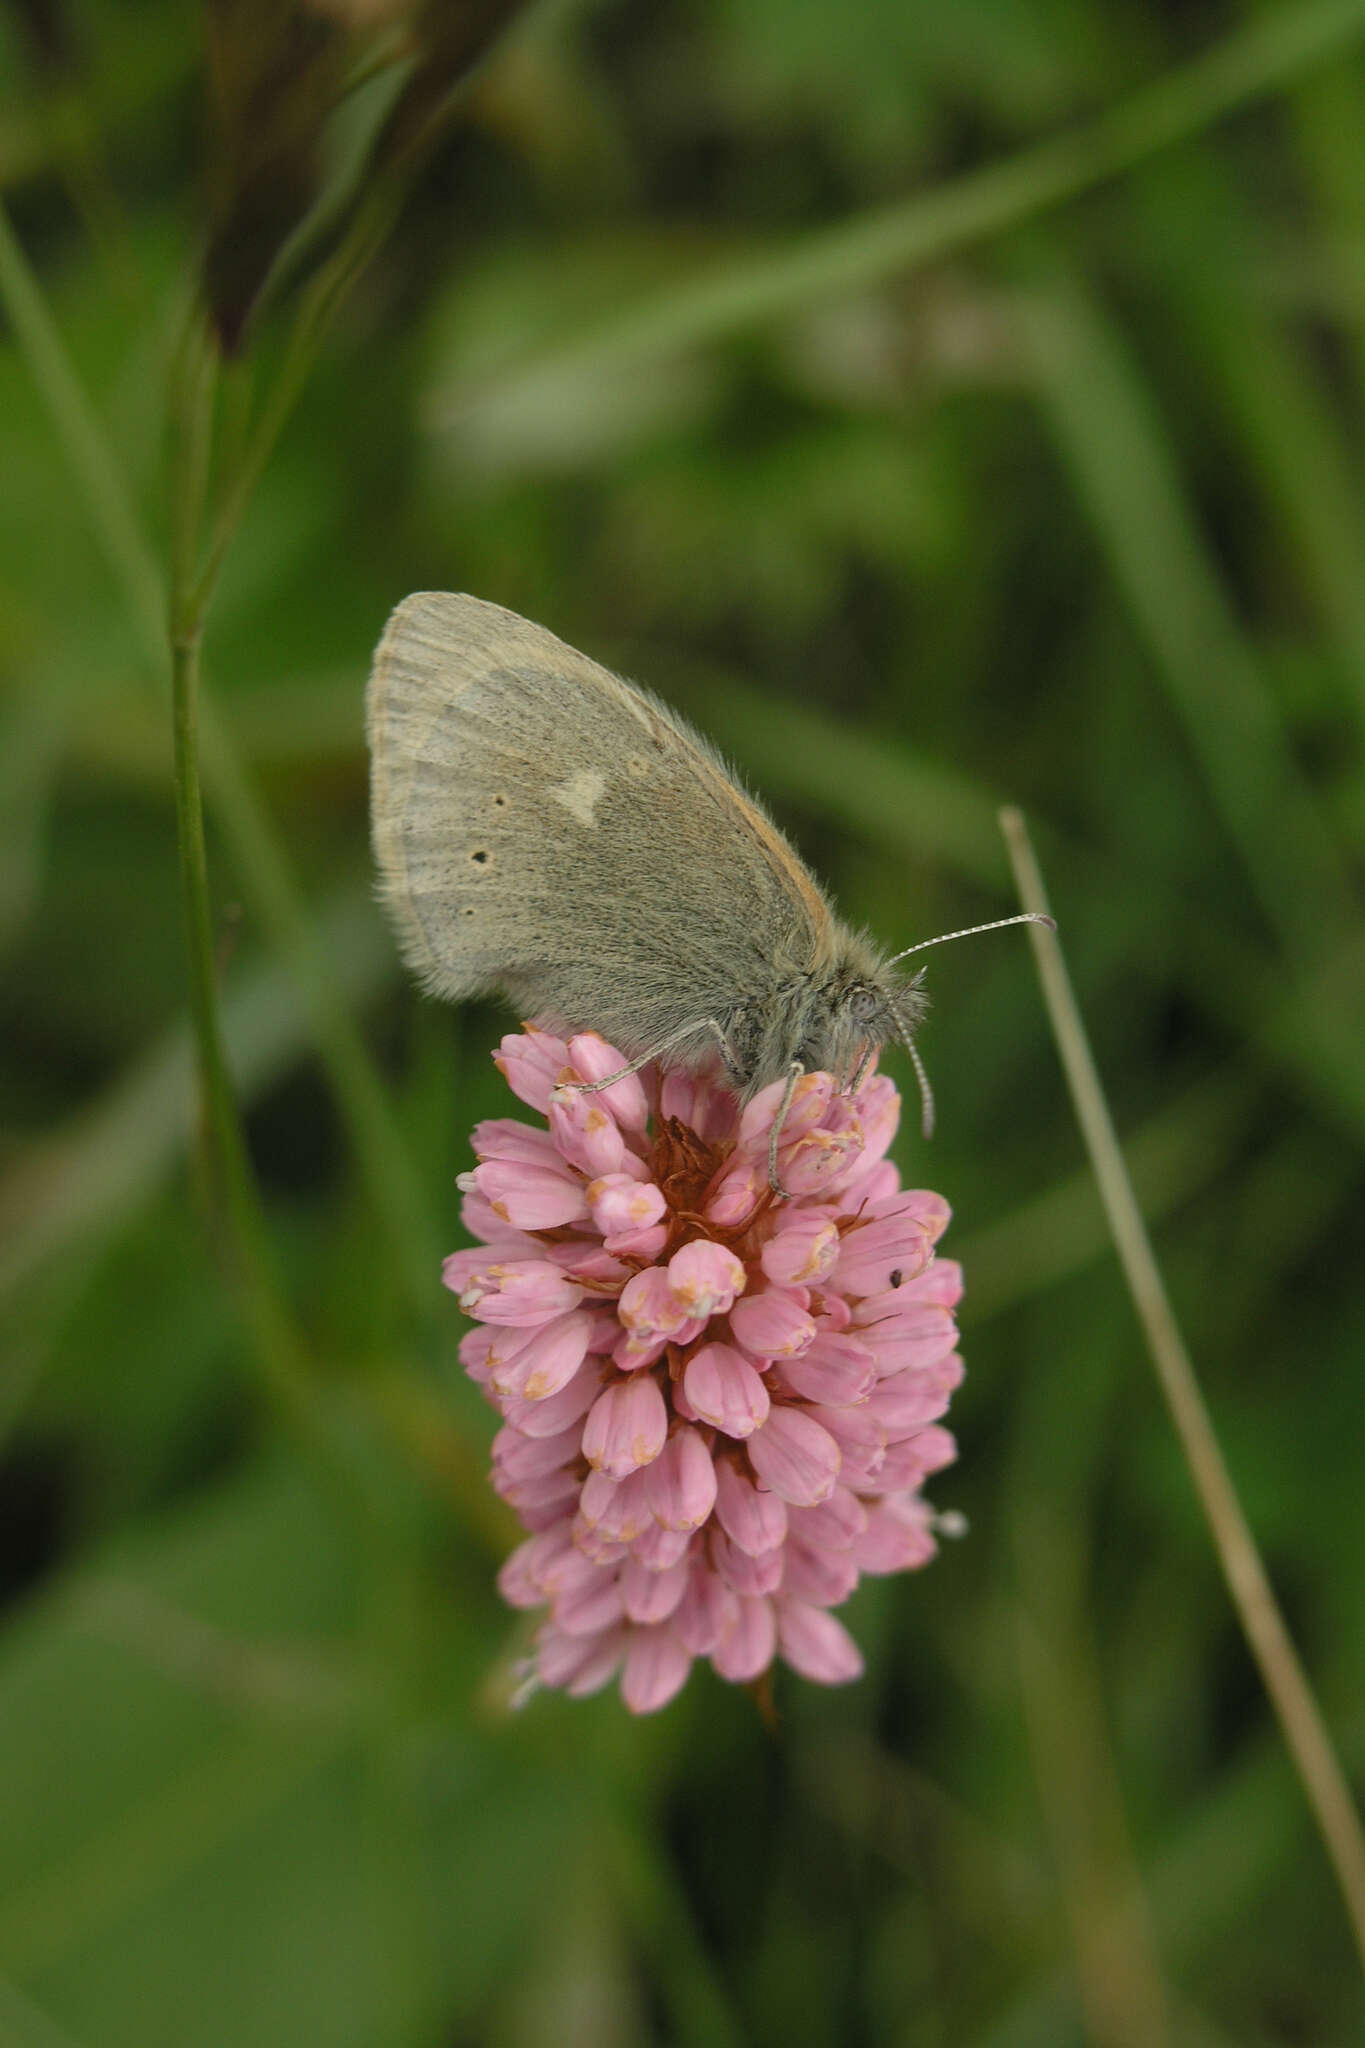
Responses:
[547,830]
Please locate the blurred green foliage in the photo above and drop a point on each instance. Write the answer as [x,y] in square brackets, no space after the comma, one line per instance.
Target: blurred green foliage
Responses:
[942,404]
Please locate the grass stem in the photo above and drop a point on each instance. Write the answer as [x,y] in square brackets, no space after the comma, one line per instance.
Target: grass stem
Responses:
[1258,1611]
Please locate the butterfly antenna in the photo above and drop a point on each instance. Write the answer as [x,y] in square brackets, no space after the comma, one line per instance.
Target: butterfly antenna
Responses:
[970,931]
[926,1093]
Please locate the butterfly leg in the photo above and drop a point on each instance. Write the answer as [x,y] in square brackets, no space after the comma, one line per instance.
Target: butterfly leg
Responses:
[623,1073]
[794,1073]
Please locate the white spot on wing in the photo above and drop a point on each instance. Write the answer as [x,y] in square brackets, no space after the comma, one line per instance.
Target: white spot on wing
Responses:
[581,793]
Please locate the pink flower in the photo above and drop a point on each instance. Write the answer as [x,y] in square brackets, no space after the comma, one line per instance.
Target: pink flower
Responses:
[718,1405]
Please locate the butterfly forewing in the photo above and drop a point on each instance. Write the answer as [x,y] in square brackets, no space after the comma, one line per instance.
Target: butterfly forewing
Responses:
[545,829]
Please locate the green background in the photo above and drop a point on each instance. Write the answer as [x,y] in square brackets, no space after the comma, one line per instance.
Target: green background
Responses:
[943,404]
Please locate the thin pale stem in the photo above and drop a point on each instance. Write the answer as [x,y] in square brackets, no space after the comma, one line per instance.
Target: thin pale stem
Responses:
[1263,1625]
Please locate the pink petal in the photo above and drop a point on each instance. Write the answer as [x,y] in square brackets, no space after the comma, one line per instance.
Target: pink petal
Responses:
[898,1536]
[593,1059]
[705,1278]
[911,1461]
[835,1313]
[590,1264]
[588,1605]
[861,1441]
[650,1311]
[509,1290]
[521,1581]
[751,1517]
[599,1667]
[746,1648]
[773,1324]
[811,1099]
[651,1596]
[751,1576]
[835,1524]
[878,1105]
[682,1482]
[506,1137]
[938,1286]
[626,1426]
[816,1645]
[596,1548]
[557,1411]
[707,1609]
[622,1206]
[522,1457]
[838,1370]
[734,1195]
[822,1578]
[499,1238]
[871,1256]
[819,1161]
[474,1349]
[656,1548]
[880,1185]
[547,1362]
[795,1457]
[913,1332]
[724,1390]
[656,1669]
[586,1132]
[570,1661]
[804,1248]
[530,1062]
[617,1509]
[540,1503]
[905,1401]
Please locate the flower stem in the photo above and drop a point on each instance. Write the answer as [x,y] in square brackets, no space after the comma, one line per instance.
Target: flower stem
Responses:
[1263,1625]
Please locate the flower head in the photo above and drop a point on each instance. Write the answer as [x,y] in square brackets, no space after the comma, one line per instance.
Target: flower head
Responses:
[718,1406]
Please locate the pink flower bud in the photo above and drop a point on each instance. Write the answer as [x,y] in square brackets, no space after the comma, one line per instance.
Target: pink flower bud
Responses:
[839,1370]
[905,1401]
[651,1596]
[823,1577]
[816,1645]
[592,1060]
[650,1311]
[705,1278]
[898,1536]
[585,1132]
[656,1668]
[747,1575]
[724,1390]
[548,1362]
[748,1646]
[509,1290]
[804,1248]
[682,1482]
[706,1611]
[530,1062]
[626,1426]
[623,1208]
[735,1194]
[795,1457]
[773,1324]
[751,1517]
